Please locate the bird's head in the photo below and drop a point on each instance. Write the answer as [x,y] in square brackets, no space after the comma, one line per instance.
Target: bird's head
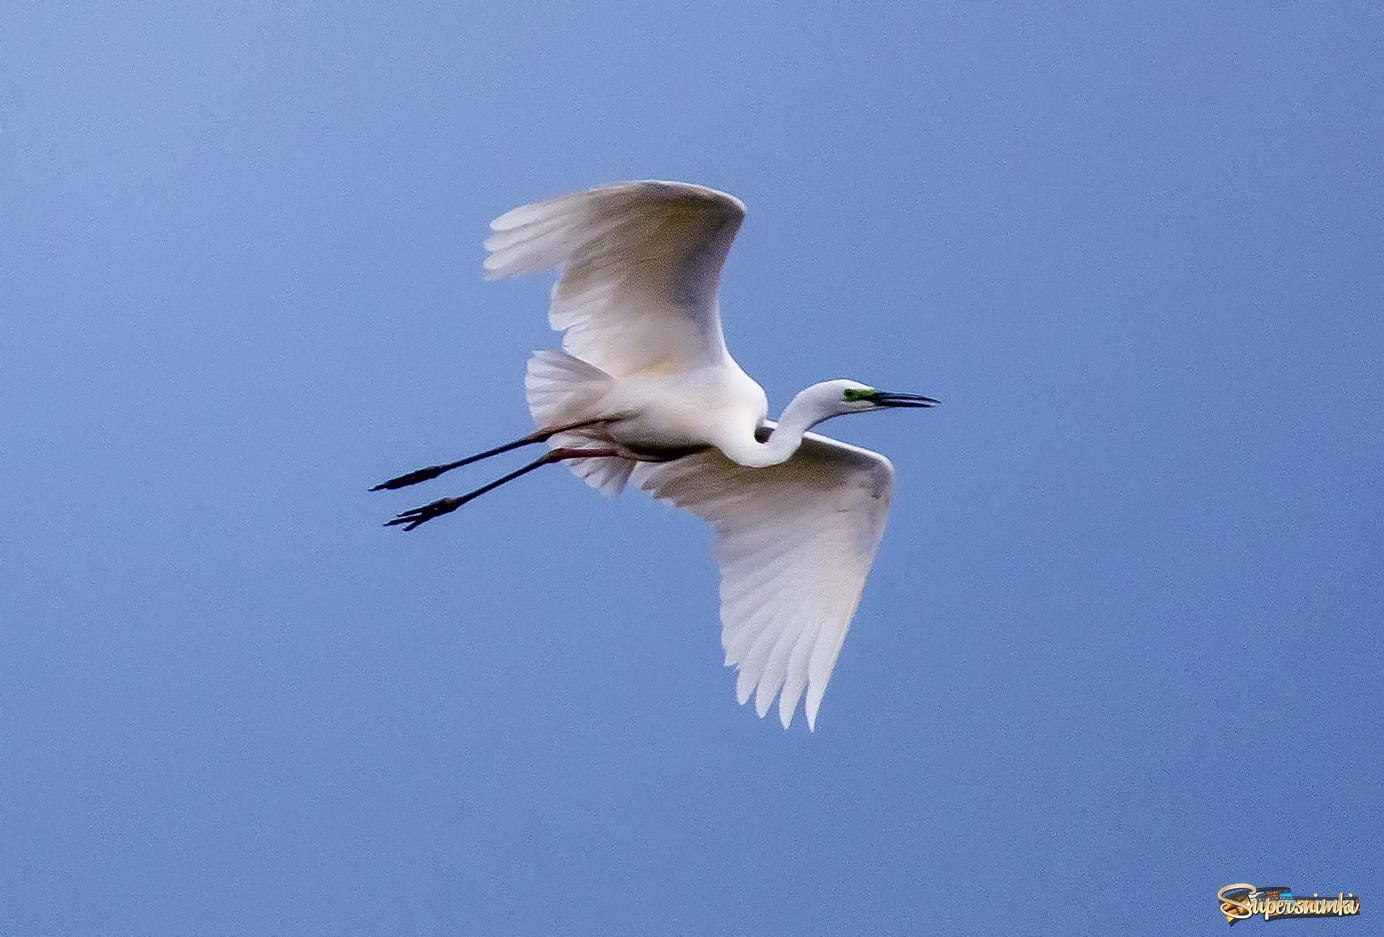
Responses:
[842,397]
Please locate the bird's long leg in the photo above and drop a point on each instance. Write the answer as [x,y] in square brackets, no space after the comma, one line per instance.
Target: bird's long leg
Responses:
[432,471]
[421,515]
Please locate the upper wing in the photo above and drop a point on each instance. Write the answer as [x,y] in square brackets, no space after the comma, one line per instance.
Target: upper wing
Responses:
[640,260]
[794,543]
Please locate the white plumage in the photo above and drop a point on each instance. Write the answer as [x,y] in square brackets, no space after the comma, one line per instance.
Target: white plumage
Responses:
[645,389]
[640,261]
[794,543]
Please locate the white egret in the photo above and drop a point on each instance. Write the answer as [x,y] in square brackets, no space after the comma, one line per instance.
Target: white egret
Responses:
[644,388]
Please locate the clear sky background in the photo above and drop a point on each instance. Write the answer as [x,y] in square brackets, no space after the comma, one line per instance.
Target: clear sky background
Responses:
[1120,647]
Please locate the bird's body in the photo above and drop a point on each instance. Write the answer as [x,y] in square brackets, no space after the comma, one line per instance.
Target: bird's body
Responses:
[650,411]
[644,388]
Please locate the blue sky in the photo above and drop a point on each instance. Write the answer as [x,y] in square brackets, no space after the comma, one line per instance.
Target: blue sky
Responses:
[1120,647]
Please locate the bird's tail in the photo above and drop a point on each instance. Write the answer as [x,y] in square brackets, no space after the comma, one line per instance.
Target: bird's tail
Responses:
[564,389]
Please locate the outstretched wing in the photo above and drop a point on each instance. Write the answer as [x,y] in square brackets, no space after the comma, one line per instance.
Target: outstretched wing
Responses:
[641,261]
[794,543]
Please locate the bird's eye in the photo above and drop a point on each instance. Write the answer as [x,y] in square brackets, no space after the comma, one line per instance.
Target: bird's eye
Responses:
[857,394]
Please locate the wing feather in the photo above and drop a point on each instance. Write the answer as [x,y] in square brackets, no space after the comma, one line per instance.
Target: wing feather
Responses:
[641,262]
[794,543]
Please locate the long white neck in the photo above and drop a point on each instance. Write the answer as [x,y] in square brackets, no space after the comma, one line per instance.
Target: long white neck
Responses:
[802,413]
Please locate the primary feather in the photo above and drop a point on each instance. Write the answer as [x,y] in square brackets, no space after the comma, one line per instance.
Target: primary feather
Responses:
[794,543]
[641,262]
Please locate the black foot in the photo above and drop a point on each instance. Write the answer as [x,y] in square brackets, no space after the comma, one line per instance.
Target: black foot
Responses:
[411,519]
[414,477]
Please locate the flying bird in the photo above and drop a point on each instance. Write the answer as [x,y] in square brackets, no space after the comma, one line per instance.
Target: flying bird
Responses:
[644,389]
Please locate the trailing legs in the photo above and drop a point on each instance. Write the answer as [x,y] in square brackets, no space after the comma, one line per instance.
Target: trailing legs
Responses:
[432,471]
[421,515]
